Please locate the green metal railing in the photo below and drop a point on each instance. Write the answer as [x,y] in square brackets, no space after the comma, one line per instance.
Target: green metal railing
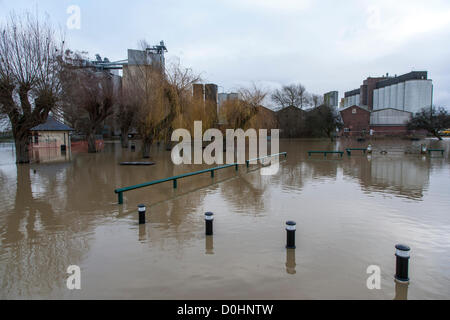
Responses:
[325,153]
[436,150]
[349,150]
[175,179]
[266,157]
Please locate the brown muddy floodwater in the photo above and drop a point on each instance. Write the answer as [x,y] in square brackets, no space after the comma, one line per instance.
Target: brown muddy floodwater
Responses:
[350,214]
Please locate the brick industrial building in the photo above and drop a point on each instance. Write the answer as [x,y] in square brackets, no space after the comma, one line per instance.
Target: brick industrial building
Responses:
[389,103]
[356,121]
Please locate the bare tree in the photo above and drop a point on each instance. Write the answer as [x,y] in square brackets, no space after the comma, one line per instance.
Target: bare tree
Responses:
[253,95]
[432,120]
[29,82]
[316,100]
[181,79]
[292,95]
[89,96]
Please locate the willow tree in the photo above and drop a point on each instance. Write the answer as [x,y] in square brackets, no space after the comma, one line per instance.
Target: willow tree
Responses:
[181,80]
[162,98]
[238,112]
[156,103]
[29,76]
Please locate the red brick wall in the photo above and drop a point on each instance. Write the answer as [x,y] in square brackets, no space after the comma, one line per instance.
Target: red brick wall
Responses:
[356,122]
[371,86]
[389,130]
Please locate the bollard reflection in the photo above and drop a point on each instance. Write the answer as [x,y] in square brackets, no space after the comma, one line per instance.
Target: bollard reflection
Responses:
[290,261]
[142,233]
[401,290]
[209,245]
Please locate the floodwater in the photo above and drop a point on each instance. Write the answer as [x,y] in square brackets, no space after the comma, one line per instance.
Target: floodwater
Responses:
[350,214]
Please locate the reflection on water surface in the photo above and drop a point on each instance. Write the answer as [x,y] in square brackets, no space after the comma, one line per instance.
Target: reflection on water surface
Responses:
[350,213]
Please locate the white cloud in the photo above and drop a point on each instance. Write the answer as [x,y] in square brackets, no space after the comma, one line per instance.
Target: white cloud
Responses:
[324,44]
[285,6]
[389,25]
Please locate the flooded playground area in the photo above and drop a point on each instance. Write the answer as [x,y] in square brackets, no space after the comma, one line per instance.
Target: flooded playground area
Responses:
[350,214]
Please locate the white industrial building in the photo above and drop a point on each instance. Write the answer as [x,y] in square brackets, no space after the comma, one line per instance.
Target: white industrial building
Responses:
[331,99]
[352,98]
[153,56]
[410,92]
[392,101]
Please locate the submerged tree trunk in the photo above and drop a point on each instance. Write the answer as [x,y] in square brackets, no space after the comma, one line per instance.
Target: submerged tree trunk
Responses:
[125,140]
[92,145]
[22,144]
[436,134]
[146,145]
[168,140]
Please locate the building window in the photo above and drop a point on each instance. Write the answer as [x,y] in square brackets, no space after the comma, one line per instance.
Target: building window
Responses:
[354,111]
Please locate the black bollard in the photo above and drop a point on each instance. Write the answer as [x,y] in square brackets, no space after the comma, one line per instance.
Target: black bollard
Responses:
[401,290]
[403,254]
[209,245]
[142,210]
[142,233]
[290,261]
[209,219]
[291,226]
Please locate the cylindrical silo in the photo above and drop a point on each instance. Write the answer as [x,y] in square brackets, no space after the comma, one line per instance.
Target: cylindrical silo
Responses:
[411,95]
[401,96]
[381,98]
[387,97]
[375,99]
[393,99]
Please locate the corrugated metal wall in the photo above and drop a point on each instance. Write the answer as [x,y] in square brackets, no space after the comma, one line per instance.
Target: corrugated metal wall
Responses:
[389,117]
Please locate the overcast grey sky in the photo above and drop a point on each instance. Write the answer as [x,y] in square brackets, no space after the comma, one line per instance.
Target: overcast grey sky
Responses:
[325,44]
